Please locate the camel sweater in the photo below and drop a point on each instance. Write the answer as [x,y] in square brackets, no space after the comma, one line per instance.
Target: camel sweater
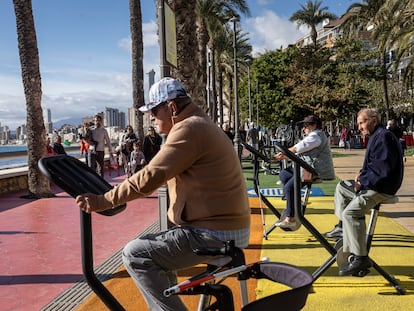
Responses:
[200,166]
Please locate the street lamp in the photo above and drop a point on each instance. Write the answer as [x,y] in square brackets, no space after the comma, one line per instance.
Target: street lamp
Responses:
[164,68]
[236,140]
[257,102]
[249,62]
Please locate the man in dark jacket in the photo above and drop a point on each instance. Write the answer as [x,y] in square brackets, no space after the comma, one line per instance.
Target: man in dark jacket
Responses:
[57,146]
[379,179]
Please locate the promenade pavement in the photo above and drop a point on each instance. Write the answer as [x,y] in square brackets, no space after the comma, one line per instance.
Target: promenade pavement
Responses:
[40,245]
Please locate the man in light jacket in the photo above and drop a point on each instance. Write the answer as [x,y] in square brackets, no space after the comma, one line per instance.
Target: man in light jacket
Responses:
[208,197]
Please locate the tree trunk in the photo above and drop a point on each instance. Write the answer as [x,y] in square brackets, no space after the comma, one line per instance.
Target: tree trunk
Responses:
[137,65]
[38,184]
[385,86]
[204,63]
[213,83]
[188,70]
[220,95]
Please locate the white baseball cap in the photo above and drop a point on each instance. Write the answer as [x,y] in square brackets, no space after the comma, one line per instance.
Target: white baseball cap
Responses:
[162,91]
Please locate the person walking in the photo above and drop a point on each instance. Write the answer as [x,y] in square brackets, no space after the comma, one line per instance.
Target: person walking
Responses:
[252,137]
[98,140]
[84,135]
[206,209]
[152,144]
[137,158]
[126,147]
[346,138]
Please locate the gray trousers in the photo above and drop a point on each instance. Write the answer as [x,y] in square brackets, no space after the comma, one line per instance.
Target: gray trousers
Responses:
[351,207]
[96,161]
[152,262]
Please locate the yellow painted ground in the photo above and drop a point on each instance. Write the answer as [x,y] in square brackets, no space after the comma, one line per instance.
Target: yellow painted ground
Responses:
[393,250]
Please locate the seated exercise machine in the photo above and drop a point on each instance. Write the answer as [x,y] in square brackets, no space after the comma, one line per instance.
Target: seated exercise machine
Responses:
[292,299]
[75,177]
[335,251]
[257,155]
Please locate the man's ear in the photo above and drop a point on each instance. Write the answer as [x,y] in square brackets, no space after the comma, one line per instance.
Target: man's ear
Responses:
[173,107]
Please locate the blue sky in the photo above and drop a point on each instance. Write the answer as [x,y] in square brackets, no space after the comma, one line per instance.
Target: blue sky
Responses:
[84,50]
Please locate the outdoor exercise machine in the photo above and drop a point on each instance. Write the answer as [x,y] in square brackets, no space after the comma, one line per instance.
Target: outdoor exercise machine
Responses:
[336,252]
[209,282]
[257,156]
[75,177]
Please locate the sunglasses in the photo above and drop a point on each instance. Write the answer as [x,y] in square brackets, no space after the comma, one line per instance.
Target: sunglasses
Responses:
[156,109]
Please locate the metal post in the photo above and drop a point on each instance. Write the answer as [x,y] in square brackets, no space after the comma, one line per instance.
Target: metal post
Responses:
[163,201]
[249,62]
[236,140]
[164,68]
[257,102]
[208,86]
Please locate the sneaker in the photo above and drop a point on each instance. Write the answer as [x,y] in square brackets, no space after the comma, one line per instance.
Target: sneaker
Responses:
[285,224]
[282,216]
[359,264]
[335,233]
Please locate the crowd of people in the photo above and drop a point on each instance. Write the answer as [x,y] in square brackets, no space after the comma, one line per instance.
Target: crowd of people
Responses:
[131,154]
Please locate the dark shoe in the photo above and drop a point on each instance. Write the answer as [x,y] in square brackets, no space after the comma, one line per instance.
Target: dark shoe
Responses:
[358,266]
[336,233]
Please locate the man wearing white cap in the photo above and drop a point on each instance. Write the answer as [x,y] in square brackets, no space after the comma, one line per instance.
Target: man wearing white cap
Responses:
[208,198]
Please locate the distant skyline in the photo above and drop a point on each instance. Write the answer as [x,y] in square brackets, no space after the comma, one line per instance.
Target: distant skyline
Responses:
[84,51]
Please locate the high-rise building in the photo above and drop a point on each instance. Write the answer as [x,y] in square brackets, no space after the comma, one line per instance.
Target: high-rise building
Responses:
[132,120]
[47,119]
[47,115]
[122,124]
[113,117]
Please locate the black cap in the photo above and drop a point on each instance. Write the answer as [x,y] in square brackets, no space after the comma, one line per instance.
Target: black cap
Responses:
[311,119]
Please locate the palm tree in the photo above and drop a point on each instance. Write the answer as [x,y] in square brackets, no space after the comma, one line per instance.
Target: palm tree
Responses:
[394,30]
[36,134]
[222,41]
[362,18]
[226,65]
[311,15]
[187,70]
[397,30]
[212,15]
[137,64]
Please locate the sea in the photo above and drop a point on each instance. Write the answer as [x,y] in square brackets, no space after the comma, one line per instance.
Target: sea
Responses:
[21,160]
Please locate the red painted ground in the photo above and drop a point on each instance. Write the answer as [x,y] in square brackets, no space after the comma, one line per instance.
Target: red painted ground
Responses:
[40,244]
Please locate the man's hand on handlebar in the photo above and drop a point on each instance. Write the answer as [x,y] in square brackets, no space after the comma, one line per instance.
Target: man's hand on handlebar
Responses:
[278,157]
[281,156]
[89,203]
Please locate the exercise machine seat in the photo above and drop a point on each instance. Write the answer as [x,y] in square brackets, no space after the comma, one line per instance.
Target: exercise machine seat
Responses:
[292,299]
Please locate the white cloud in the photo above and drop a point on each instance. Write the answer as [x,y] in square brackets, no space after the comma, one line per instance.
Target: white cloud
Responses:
[269,32]
[75,92]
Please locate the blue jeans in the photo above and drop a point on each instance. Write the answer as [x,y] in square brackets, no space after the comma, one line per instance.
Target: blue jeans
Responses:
[286,177]
[152,262]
